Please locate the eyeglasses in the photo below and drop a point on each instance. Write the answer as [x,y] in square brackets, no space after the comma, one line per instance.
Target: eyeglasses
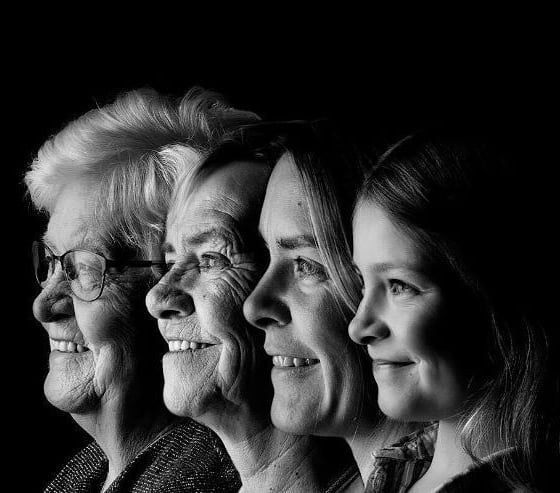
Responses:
[84,270]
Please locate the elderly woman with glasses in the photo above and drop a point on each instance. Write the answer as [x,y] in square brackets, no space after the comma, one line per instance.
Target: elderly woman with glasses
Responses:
[104,182]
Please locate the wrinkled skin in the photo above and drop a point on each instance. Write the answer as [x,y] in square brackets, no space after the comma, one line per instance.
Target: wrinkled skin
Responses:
[422,340]
[117,330]
[212,249]
[294,303]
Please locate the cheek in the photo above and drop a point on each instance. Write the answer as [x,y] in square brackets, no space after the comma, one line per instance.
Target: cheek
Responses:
[324,329]
[229,291]
[108,320]
[219,309]
[437,341]
[237,283]
[423,333]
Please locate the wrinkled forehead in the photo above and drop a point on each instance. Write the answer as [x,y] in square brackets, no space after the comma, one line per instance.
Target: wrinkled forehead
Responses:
[230,198]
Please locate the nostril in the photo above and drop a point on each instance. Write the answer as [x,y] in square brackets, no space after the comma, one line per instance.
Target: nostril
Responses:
[168,314]
[264,322]
[357,331]
[57,317]
[52,307]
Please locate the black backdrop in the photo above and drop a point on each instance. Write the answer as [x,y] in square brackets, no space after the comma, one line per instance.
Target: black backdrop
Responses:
[500,88]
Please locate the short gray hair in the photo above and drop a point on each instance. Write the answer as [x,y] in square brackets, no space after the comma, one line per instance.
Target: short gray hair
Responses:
[134,148]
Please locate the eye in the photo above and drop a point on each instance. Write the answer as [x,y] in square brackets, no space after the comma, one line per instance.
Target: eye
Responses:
[399,288]
[213,261]
[306,268]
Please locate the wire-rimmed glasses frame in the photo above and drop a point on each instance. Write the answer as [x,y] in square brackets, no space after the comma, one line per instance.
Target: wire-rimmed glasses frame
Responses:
[82,267]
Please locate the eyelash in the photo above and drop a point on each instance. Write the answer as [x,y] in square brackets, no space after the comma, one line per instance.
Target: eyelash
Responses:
[208,261]
[404,288]
[213,260]
[306,268]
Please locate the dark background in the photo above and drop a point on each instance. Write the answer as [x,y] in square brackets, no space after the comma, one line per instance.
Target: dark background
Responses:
[377,87]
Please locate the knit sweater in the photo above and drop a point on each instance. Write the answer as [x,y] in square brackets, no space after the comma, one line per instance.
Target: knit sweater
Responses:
[187,458]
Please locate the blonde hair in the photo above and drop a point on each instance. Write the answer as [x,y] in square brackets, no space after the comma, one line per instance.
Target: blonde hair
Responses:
[134,149]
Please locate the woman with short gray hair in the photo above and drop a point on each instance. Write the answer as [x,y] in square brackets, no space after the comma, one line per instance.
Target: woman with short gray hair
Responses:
[104,182]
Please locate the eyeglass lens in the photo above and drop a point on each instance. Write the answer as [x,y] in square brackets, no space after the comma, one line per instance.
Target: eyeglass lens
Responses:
[84,270]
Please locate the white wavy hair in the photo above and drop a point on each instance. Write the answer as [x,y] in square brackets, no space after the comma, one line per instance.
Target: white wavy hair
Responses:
[134,149]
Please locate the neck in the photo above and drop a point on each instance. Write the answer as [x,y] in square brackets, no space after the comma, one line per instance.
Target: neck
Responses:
[272,460]
[368,437]
[449,454]
[123,428]
[450,459]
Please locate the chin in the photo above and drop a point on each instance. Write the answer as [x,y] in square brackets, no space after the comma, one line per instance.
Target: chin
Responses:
[295,418]
[405,410]
[67,396]
[184,395]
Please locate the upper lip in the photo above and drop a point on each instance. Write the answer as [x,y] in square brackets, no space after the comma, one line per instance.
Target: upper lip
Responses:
[381,359]
[292,351]
[185,332]
[65,334]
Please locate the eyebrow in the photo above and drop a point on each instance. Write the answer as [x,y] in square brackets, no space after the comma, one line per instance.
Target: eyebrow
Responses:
[200,238]
[384,267]
[295,242]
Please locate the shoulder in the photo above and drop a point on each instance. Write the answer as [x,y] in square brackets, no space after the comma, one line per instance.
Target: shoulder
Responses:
[483,476]
[188,457]
[84,472]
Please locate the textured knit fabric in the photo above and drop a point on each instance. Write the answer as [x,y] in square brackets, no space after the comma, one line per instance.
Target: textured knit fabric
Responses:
[187,458]
[399,466]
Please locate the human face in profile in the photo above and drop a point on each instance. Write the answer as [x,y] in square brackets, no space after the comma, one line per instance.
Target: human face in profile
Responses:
[214,355]
[419,343]
[316,374]
[99,349]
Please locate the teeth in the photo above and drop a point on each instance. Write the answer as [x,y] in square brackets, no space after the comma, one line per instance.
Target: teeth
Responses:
[285,361]
[66,346]
[177,345]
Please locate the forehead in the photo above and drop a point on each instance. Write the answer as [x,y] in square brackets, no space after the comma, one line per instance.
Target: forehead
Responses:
[285,211]
[377,239]
[70,223]
[231,196]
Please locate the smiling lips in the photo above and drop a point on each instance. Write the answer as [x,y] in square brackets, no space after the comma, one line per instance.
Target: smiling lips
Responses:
[178,345]
[288,361]
[66,346]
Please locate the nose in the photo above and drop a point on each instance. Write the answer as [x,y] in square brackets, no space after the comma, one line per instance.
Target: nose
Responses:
[54,302]
[165,301]
[367,326]
[266,305]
